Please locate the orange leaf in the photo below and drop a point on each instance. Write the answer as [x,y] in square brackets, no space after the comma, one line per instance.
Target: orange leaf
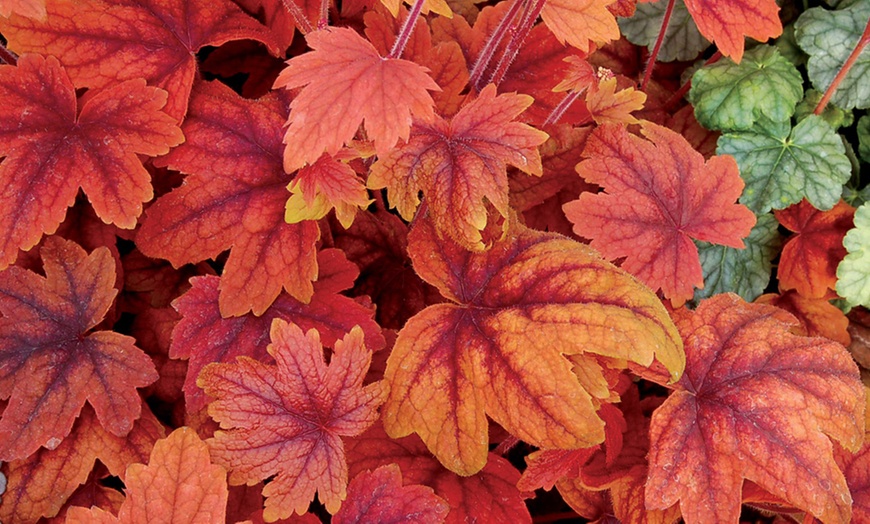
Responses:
[728,22]
[484,353]
[756,402]
[659,195]
[608,106]
[459,164]
[818,317]
[50,361]
[578,22]
[25,8]
[379,496]
[327,183]
[810,258]
[103,43]
[289,419]
[221,207]
[856,468]
[54,145]
[179,484]
[345,81]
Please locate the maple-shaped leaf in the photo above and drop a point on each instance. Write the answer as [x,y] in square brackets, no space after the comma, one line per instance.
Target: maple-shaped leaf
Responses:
[326,184]
[345,82]
[204,336]
[460,163]
[179,484]
[810,257]
[579,22]
[102,43]
[659,195]
[682,40]
[733,97]
[222,205]
[25,8]
[853,275]
[781,165]
[756,402]
[745,272]
[54,145]
[51,362]
[829,37]
[727,22]
[609,106]
[379,496]
[288,419]
[91,493]
[818,317]
[483,353]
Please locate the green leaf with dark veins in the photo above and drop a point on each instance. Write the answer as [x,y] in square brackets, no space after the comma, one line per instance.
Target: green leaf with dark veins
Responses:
[742,271]
[781,168]
[829,38]
[832,114]
[683,41]
[863,130]
[733,97]
[853,273]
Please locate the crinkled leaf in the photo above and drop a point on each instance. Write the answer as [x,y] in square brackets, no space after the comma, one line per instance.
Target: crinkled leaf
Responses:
[829,38]
[54,145]
[659,195]
[460,163]
[224,206]
[781,166]
[482,354]
[759,403]
[379,496]
[856,468]
[745,272]
[580,22]
[326,184]
[50,360]
[733,97]
[344,82]
[287,420]
[837,117]
[25,8]
[853,273]
[103,43]
[818,317]
[682,41]
[728,22]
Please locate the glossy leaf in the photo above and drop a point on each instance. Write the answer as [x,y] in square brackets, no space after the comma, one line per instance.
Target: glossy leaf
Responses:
[782,166]
[682,41]
[339,88]
[756,402]
[459,164]
[853,275]
[727,23]
[659,194]
[379,496]
[221,206]
[54,145]
[455,363]
[288,420]
[51,362]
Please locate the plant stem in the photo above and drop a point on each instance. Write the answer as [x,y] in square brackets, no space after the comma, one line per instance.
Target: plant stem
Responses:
[518,36]
[407,29]
[681,92]
[7,56]
[563,106]
[841,74]
[302,23]
[380,204]
[488,51]
[324,15]
[650,65]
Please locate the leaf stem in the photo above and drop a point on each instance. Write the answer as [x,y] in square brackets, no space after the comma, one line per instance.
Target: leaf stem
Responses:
[862,43]
[681,92]
[563,106]
[488,51]
[518,36]
[650,65]
[302,23]
[7,56]
[324,15]
[407,29]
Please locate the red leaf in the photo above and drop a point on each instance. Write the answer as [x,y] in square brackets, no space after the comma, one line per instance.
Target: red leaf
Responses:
[818,317]
[289,419]
[326,184]
[756,402]
[101,43]
[50,362]
[459,164]
[856,468]
[53,146]
[203,336]
[25,8]
[378,496]
[728,22]
[659,195]
[345,82]
[221,207]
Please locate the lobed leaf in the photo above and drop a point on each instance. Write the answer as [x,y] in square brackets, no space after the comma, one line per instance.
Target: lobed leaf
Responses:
[379,496]
[682,40]
[853,275]
[727,23]
[580,22]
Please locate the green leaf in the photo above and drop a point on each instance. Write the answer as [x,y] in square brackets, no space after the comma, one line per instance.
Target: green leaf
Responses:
[829,38]
[863,130]
[733,97]
[683,41]
[788,47]
[853,273]
[832,114]
[781,168]
[742,271]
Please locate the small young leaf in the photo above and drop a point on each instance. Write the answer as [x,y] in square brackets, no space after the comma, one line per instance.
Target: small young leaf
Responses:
[853,273]
[733,97]
[782,168]
[683,41]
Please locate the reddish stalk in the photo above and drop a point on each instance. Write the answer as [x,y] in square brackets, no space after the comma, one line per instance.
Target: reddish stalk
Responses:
[407,29]
[519,34]
[489,49]
[650,65]
[302,23]
[7,56]
[380,204]
[563,106]
[862,43]
[681,92]
[324,15]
